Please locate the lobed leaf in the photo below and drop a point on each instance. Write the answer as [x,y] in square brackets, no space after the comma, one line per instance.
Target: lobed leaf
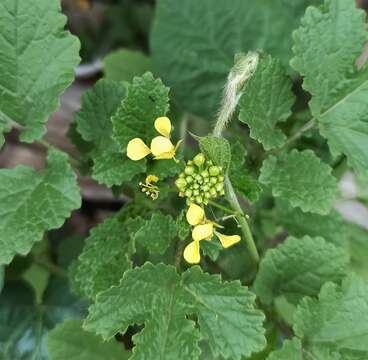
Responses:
[326,47]
[37,61]
[267,100]
[216,149]
[299,267]
[34,202]
[301,179]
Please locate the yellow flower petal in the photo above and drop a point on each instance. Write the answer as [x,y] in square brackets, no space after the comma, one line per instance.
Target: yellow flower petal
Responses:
[161,145]
[137,149]
[195,214]
[165,156]
[151,179]
[163,126]
[191,253]
[201,232]
[227,240]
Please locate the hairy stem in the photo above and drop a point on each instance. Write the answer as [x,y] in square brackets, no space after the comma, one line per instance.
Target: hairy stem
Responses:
[238,76]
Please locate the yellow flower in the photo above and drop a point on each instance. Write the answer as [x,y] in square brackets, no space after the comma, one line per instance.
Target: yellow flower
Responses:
[161,146]
[148,188]
[203,230]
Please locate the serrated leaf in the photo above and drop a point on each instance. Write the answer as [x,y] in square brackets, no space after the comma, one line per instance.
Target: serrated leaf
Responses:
[339,102]
[157,233]
[111,167]
[266,101]
[37,61]
[291,350]
[299,267]
[104,259]
[124,64]
[24,324]
[211,248]
[216,149]
[196,59]
[34,202]
[226,313]
[301,179]
[183,226]
[337,321]
[298,223]
[69,341]
[146,99]
[148,294]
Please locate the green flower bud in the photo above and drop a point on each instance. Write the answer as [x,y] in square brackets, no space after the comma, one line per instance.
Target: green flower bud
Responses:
[189,179]
[207,195]
[213,192]
[189,162]
[198,177]
[213,180]
[214,170]
[222,192]
[195,186]
[204,174]
[199,159]
[181,183]
[199,199]
[205,188]
[209,163]
[182,175]
[188,193]
[219,186]
[189,170]
[181,194]
[221,178]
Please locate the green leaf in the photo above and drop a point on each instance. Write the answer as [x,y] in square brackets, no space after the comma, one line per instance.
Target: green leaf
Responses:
[111,166]
[32,203]
[37,61]
[24,324]
[211,248]
[157,233]
[267,100]
[4,128]
[69,341]
[183,226]
[337,321]
[2,273]
[168,334]
[104,259]
[301,179]
[326,47]
[146,99]
[358,245]
[226,313]
[298,223]
[291,350]
[299,267]
[216,149]
[124,64]
[193,45]
[243,182]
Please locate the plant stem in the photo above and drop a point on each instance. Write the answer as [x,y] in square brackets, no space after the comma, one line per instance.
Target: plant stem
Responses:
[54,269]
[223,208]
[238,76]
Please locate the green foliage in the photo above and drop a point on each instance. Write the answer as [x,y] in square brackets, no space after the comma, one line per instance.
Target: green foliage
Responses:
[157,233]
[216,149]
[110,166]
[358,246]
[70,341]
[301,179]
[291,350]
[104,259]
[24,323]
[196,60]
[225,312]
[37,60]
[299,267]
[32,203]
[146,100]
[337,321]
[267,100]
[339,89]
[124,64]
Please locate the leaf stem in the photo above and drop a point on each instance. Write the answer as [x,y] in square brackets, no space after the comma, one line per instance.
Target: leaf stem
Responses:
[224,208]
[54,269]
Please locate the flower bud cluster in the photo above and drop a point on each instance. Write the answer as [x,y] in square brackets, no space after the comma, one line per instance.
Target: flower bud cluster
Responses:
[200,181]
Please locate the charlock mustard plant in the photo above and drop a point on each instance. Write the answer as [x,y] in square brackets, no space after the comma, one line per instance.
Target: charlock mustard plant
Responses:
[200,181]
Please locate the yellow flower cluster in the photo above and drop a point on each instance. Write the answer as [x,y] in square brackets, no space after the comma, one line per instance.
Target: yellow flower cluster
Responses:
[161,146]
[203,230]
